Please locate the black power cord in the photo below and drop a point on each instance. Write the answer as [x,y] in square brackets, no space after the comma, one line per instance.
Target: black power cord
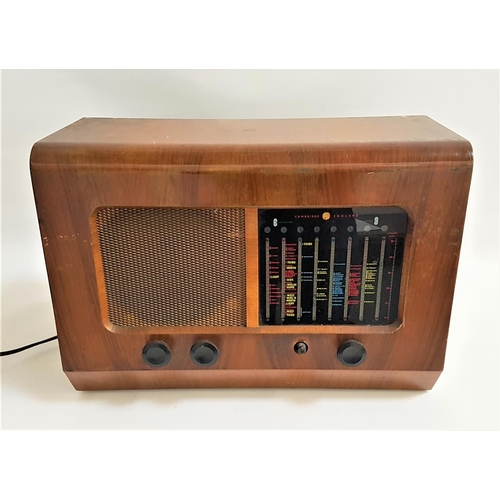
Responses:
[19,349]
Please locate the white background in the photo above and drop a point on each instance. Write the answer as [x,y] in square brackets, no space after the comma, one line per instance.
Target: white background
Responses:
[35,392]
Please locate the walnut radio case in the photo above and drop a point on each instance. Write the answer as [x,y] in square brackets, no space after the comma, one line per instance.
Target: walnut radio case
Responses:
[252,253]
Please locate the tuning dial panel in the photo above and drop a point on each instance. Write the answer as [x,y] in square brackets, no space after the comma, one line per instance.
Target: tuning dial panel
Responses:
[330,266]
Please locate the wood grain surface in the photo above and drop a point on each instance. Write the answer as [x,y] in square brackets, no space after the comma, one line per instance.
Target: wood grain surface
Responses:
[410,162]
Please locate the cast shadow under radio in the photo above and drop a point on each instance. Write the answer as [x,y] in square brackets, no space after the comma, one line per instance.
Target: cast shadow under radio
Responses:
[37,373]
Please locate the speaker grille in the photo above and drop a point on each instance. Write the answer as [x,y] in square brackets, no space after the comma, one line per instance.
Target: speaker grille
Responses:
[173,266]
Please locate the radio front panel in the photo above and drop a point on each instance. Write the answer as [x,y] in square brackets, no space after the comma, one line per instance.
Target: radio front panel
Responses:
[330,266]
[252,253]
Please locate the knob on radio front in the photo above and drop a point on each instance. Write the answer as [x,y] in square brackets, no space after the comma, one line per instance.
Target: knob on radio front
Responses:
[156,353]
[351,353]
[204,353]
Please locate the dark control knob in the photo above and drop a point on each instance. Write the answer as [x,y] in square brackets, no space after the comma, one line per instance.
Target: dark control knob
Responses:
[204,353]
[351,353]
[156,353]
[300,348]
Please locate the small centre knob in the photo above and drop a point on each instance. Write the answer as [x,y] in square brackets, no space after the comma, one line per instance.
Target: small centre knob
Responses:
[300,348]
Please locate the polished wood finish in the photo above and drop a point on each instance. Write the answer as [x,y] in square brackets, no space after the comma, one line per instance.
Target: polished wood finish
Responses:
[292,379]
[252,264]
[410,162]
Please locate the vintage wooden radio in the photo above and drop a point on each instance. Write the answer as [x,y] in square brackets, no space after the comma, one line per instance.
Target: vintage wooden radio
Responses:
[252,253]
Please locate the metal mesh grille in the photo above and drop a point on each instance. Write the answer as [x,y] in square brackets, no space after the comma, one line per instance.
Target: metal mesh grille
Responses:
[173,266]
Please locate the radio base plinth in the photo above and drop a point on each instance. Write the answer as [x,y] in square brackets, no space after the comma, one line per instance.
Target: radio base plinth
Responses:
[292,379]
